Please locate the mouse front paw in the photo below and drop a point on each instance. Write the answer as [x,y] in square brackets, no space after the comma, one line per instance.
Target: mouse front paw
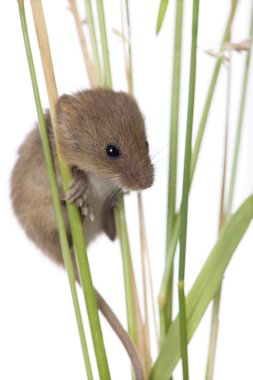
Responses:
[79,191]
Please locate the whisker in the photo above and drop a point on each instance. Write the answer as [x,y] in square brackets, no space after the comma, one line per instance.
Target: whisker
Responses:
[158,150]
[158,155]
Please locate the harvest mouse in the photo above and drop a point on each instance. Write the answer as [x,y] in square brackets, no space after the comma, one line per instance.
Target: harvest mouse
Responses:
[101,136]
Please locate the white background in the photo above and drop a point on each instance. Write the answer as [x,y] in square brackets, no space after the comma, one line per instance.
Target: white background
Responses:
[38,334]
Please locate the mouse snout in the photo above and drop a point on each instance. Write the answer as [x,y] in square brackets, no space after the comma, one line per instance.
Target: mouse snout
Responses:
[139,177]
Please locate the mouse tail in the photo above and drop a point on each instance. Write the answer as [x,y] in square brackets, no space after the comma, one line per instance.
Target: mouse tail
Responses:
[122,335]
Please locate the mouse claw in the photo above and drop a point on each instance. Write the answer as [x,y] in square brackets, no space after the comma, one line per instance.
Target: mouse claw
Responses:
[79,202]
[88,212]
[92,216]
[85,210]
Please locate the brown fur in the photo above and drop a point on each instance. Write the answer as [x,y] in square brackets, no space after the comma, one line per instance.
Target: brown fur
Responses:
[87,122]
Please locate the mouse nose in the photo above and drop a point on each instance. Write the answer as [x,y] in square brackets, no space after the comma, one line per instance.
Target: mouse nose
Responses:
[139,177]
[147,177]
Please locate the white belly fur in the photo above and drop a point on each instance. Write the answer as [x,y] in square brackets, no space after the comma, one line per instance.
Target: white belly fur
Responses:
[100,191]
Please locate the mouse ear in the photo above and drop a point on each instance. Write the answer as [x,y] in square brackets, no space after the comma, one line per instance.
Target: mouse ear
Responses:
[68,107]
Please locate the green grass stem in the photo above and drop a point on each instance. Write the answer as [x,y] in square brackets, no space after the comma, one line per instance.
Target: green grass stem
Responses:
[73,213]
[93,38]
[204,289]
[55,193]
[185,195]
[144,260]
[173,150]
[107,69]
[127,268]
[169,264]
[175,104]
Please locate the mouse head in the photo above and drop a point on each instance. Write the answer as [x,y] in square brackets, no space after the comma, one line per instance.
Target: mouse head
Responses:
[103,132]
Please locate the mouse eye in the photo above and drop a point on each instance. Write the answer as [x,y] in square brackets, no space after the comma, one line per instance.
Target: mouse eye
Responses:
[147,145]
[112,151]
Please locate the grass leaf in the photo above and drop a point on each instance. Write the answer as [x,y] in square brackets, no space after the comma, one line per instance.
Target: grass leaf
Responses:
[161,14]
[204,289]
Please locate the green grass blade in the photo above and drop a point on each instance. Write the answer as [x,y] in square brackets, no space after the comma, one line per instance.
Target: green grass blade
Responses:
[169,264]
[161,14]
[175,104]
[107,70]
[144,261]
[185,195]
[93,38]
[127,268]
[204,288]
[55,193]
[173,150]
